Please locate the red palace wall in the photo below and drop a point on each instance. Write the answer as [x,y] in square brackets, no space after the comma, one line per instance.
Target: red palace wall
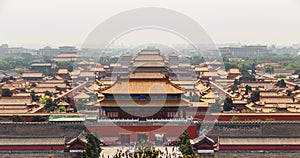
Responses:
[77,148]
[168,131]
[259,147]
[32,148]
[200,147]
[249,117]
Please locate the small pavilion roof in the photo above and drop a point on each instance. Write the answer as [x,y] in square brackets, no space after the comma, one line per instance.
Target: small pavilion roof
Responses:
[81,95]
[201,138]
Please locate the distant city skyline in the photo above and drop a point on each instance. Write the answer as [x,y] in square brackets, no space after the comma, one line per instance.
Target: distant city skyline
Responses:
[36,24]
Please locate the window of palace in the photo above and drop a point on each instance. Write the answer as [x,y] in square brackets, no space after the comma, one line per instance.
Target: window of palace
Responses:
[112,114]
[172,114]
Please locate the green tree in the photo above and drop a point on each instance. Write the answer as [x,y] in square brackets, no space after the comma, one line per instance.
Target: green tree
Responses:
[281,83]
[254,96]
[184,137]
[44,100]
[37,119]
[235,85]
[23,90]
[228,104]
[16,118]
[11,78]
[248,89]
[68,100]
[5,79]
[236,82]
[288,92]
[92,147]
[269,69]
[33,85]
[269,119]
[34,97]
[57,88]
[253,69]
[50,72]
[280,76]
[196,60]
[50,105]
[234,118]
[296,87]
[48,93]
[185,145]
[229,65]
[67,83]
[6,93]
[245,74]
[62,109]
[20,71]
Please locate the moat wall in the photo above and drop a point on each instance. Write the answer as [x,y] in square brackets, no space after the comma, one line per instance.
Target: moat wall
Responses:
[276,128]
[70,130]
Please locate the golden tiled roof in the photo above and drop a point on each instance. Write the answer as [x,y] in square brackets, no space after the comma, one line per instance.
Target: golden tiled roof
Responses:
[283,99]
[143,103]
[143,86]
[148,58]
[51,85]
[67,55]
[87,73]
[63,71]
[210,74]
[202,69]
[44,89]
[148,52]
[234,71]
[32,74]
[146,75]
[63,103]
[15,100]
[148,64]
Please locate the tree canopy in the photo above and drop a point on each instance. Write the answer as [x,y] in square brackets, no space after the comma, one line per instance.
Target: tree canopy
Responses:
[185,146]
[92,147]
[281,83]
[16,118]
[248,89]
[6,93]
[296,87]
[228,104]
[254,96]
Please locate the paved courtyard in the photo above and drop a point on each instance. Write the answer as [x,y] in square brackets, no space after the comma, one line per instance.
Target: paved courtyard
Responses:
[109,151]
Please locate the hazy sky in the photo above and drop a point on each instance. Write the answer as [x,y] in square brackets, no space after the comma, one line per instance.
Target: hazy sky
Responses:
[36,23]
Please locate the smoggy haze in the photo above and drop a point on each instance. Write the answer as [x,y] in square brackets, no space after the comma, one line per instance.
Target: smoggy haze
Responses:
[34,23]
